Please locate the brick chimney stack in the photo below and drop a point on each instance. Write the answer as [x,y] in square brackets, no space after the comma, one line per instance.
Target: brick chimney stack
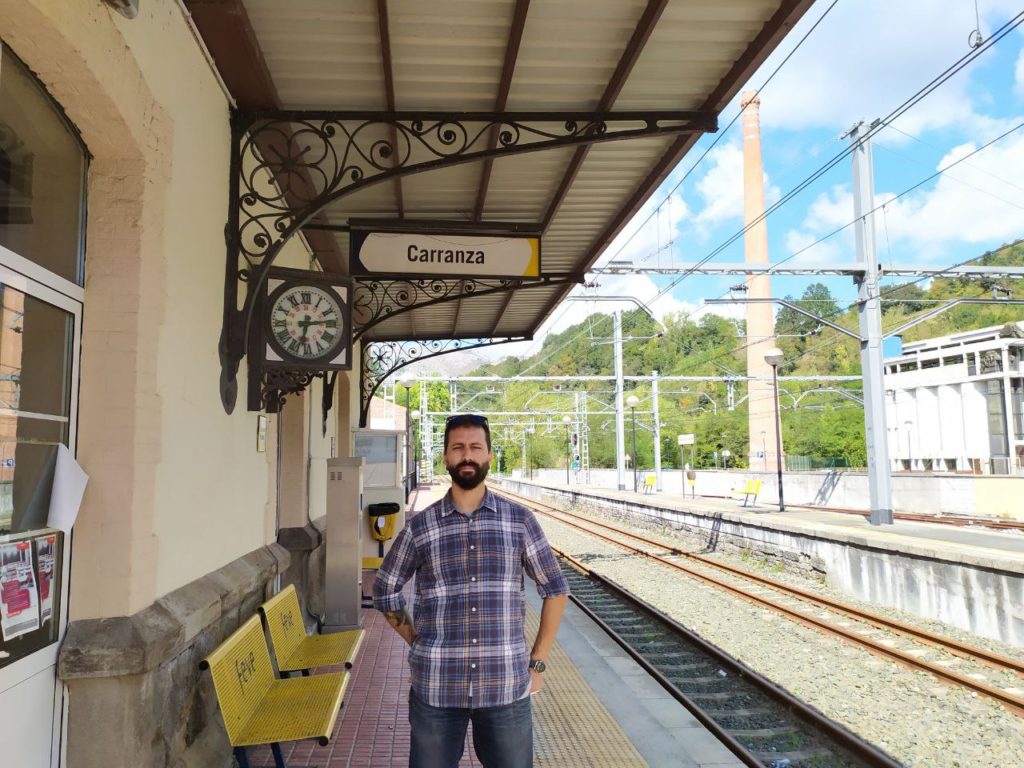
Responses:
[760,317]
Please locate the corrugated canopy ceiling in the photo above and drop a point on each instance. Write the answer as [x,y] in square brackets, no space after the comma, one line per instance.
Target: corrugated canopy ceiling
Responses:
[498,56]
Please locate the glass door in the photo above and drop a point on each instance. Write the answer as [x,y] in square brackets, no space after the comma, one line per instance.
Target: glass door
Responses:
[39,343]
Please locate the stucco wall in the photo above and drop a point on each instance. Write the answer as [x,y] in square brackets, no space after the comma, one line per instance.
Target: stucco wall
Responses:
[177,487]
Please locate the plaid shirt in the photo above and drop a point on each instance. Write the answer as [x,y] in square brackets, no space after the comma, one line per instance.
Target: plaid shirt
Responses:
[469,610]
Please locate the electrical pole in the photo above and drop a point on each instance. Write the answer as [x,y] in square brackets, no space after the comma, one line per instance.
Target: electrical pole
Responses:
[657,432]
[869,309]
[620,426]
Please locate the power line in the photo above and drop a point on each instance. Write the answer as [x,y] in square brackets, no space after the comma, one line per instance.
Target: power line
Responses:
[877,126]
[721,134]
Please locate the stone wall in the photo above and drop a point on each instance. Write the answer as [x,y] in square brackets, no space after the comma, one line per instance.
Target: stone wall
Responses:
[137,696]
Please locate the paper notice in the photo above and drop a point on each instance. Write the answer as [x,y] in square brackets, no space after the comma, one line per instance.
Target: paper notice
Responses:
[45,567]
[69,480]
[19,599]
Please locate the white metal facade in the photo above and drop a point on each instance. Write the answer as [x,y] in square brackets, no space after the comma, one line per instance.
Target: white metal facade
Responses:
[955,403]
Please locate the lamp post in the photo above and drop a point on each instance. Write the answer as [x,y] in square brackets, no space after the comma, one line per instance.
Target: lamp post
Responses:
[407,382]
[416,451]
[764,450]
[725,458]
[530,431]
[566,420]
[774,358]
[632,401]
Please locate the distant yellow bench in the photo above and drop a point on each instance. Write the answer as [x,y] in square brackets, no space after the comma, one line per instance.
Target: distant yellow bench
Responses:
[260,709]
[297,651]
[749,490]
[649,483]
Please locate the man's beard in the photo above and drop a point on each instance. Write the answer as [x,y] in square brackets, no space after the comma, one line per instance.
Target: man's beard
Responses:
[467,482]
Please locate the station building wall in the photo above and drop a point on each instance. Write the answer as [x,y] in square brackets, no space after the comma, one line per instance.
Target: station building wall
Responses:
[177,536]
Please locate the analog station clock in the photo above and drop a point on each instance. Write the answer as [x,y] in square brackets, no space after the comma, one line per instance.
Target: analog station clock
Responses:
[306,321]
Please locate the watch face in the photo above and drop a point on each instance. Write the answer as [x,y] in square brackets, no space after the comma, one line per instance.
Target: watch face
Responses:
[306,322]
[538,665]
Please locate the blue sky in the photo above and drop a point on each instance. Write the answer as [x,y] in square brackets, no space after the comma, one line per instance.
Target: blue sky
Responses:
[864,59]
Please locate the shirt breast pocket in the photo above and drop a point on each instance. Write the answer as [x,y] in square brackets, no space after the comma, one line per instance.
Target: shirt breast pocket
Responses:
[502,551]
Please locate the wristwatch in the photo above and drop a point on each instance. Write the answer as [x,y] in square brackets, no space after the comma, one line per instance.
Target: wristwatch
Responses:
[538,665]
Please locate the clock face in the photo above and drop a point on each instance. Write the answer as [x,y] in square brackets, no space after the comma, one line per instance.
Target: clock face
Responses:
[306,322]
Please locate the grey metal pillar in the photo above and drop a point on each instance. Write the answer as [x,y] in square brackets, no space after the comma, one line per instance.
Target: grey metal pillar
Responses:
[869,308]
[657,432]
[620,426]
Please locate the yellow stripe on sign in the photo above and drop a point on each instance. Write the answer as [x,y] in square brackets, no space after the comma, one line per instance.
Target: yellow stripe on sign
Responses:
[533,268]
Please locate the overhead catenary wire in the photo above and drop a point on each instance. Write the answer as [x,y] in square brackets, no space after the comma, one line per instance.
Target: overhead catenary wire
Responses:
[877,126]
[722,133]
[869,132]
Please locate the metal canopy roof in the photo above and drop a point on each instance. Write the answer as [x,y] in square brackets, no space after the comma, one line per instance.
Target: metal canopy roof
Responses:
[499,56]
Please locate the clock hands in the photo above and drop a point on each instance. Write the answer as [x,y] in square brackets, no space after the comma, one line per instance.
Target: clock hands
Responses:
[304,325]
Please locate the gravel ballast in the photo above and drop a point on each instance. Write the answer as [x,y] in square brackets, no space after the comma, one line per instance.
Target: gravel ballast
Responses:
[909,714]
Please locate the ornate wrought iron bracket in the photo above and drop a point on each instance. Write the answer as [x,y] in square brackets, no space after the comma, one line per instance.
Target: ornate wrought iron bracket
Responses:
[275,385]
[384,358]
[377,300]
[286,167]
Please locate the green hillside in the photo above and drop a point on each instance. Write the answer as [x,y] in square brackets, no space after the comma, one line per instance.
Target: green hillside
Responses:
[827,427]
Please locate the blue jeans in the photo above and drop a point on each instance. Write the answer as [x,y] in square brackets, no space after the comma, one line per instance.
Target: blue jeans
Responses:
[502,736]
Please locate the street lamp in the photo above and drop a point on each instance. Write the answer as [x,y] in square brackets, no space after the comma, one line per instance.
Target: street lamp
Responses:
[632,401]
[407,382]
[725,458]
[774,358]
[530,431]
[416,451]
[566,420]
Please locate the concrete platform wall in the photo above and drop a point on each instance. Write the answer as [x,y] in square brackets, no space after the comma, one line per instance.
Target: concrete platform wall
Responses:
[977,592]
[982,495]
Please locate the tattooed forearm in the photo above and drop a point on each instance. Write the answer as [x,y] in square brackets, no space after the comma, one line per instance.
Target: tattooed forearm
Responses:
[398,618]
[401,622]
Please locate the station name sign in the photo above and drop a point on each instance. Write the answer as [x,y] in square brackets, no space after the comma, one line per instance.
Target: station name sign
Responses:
[440,254]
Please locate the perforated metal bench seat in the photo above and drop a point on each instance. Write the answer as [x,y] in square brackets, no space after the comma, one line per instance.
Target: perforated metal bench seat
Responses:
[297,651]
[260,709]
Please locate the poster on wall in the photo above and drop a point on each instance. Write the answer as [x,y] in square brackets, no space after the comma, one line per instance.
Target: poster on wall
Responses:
[45,567]
[19,598]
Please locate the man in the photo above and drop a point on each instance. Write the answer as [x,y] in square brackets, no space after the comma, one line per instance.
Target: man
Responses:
[468,656]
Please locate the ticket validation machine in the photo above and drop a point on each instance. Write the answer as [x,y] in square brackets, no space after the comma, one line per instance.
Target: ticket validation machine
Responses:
[384,489]
[344,541]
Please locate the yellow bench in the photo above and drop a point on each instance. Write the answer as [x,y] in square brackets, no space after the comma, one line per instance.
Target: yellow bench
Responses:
[297,651]
[749,490]
[260,709]
[649,483]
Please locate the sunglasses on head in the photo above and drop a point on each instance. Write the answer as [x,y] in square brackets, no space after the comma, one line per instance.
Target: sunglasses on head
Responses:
[466,420]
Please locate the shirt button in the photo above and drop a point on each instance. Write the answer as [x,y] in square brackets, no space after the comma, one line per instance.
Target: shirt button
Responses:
[472,666]
[474,640]
[473,610]
[472,546]
[472,578]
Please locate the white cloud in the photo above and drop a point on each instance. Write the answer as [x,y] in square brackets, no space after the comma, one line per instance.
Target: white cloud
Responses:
[867,57]
[651,233]
[974,203]
[803,250]
[974,206]
[721,189]
[722,186]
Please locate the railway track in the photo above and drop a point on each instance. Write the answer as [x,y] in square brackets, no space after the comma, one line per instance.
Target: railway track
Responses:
[871,631]
[761,723]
